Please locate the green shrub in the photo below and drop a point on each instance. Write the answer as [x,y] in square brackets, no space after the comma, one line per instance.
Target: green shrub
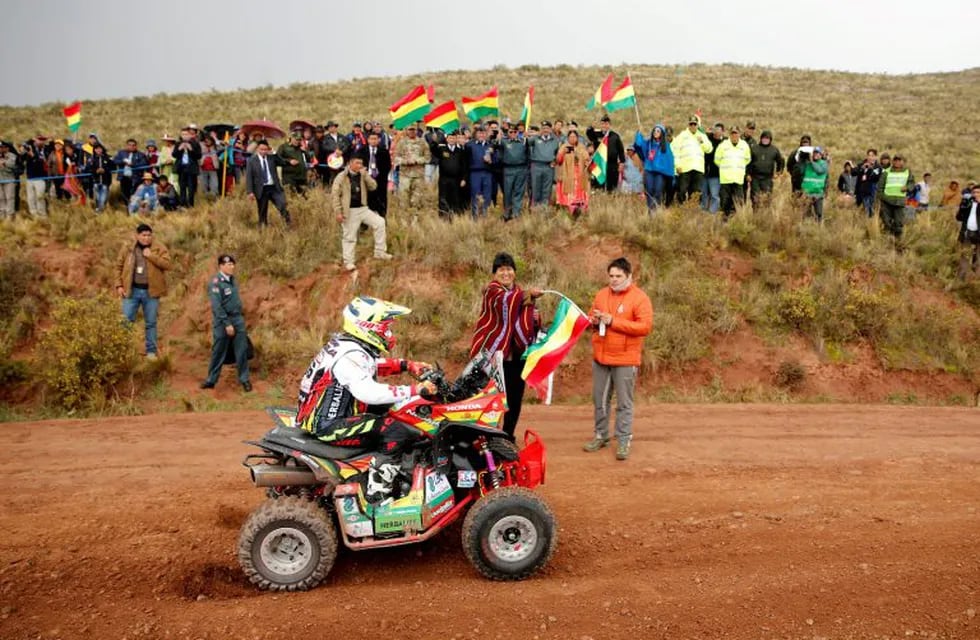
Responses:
[796,309]
[87,351]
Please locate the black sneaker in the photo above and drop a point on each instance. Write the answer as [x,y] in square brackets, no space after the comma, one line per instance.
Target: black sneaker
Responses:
[246,386]
[207,385]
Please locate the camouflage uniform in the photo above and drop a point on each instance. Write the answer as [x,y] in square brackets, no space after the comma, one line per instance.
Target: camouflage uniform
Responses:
[411,156]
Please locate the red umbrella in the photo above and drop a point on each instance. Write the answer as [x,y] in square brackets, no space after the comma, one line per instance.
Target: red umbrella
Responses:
[267,128]
[301,124]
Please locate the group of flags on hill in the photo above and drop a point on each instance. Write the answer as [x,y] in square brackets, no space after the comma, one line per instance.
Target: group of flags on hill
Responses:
[417,105]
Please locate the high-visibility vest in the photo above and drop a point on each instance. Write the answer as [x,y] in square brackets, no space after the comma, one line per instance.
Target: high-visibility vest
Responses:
[688,152]
[894,181]
[813,182]
[732,160]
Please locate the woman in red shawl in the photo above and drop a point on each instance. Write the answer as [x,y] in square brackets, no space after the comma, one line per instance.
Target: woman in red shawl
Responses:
[508,322]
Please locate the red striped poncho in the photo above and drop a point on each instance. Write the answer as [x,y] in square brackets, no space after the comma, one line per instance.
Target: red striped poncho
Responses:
[506,323]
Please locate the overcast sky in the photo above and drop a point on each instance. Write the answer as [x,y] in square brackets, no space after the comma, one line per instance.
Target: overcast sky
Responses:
[62,50]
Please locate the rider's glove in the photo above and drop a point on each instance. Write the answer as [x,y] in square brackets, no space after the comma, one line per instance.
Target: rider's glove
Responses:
[425,389]
[418,368]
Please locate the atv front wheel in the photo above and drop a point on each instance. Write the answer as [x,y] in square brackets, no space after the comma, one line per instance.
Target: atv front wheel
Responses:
[287,544]
[509,534]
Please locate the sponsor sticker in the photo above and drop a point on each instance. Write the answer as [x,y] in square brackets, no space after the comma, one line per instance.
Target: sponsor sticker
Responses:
[466,479]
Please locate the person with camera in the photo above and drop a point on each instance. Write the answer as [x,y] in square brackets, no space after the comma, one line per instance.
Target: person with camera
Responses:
[794,164]
[36,170]
[968,216]
[867,175]
[658,165]
[572,172]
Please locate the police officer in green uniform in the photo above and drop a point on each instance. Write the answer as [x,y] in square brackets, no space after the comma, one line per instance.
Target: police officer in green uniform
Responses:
[542,152]
[514,157]
[227,324]
[296,161]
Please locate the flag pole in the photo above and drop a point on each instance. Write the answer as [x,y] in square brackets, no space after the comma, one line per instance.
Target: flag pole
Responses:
[636,108]
[224,165]
[570,301]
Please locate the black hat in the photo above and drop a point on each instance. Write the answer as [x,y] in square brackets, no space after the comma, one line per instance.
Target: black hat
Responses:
[226,258]
[144,227]
[545,123]
[356,124]
[605,118]
[331,123]
[503,260]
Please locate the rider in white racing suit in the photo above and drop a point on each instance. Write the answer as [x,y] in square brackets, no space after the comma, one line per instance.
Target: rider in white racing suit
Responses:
[340,400]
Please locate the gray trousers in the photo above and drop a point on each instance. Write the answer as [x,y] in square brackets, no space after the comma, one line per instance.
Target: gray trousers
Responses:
[542,179]
[605,380]
[515,181]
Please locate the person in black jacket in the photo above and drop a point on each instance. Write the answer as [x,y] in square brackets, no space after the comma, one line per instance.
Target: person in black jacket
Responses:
[615,152]
[377,162]
[794,165]
[36,168]
[711,193]
[187,158]
[453,161]
[969,218]
[100,167]
[867,175]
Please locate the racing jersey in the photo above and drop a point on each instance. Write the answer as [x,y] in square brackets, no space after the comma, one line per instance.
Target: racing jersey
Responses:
[341,382]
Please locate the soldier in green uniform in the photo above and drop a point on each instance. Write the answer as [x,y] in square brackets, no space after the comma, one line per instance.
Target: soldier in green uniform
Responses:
[295,163]
[543,149]
[227,324]
[514,157]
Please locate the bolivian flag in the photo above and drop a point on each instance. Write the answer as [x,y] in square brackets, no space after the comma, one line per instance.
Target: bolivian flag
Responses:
[547,352]
[602,94]
[483,106]
[623,97]
[443,116]
[598,166]
[528,103]
[411,108]
[73,114]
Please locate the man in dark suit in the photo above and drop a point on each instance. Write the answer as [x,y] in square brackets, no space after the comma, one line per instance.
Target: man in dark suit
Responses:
[454,167]
[377,162]
[615,154]
[187,158]
[262,183]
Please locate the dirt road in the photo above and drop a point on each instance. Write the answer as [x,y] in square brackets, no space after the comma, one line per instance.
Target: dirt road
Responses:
[727,522]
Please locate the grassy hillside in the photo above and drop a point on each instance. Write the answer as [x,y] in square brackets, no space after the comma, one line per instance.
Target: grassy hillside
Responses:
[928,117]
[766,307]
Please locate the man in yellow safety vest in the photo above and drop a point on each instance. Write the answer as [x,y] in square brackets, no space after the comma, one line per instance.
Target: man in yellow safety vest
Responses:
[732,156]
[895,182]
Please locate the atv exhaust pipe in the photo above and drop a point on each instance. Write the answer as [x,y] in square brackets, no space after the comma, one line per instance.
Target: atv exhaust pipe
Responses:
[275,475]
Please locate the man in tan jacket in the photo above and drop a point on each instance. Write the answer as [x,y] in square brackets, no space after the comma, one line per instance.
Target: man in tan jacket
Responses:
[140,281]
[349,194]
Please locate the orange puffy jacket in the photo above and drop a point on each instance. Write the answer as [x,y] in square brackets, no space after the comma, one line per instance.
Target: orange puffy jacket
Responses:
[632,321]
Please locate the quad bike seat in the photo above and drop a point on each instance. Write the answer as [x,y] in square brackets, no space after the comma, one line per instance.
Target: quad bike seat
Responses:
[303,441]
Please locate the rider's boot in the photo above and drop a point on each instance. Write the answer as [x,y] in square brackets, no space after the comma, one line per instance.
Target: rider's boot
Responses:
[381,478]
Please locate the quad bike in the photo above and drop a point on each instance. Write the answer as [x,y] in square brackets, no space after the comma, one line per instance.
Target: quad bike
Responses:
[461,465]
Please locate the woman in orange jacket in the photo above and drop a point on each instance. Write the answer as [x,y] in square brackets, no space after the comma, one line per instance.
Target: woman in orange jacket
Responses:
[622,316]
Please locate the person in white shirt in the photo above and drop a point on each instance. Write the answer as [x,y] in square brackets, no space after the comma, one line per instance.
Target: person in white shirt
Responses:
[969,218]
[922,193]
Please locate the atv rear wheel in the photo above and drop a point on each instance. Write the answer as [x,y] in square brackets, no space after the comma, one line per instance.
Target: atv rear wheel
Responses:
[287,544]
[509,534]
